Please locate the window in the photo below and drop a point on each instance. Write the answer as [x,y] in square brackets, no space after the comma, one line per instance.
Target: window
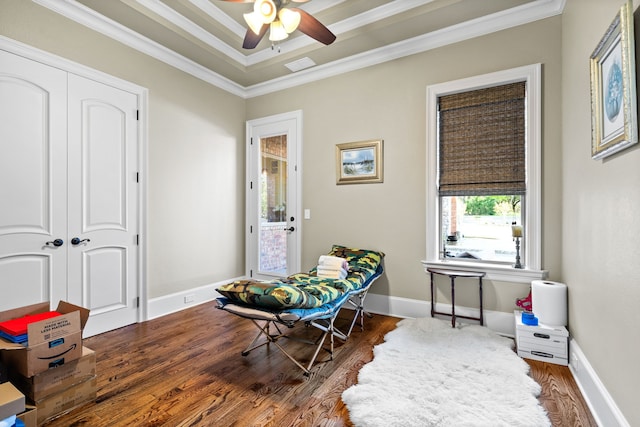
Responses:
[481,171]
[483,159]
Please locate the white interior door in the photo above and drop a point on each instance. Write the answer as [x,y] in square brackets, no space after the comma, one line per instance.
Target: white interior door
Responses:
[273,201]
[33,192]
[103,203]
[69,193]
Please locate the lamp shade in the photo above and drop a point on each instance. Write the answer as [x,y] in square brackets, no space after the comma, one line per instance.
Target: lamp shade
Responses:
[266,9]
[290,19]
[254,21]
[277,32]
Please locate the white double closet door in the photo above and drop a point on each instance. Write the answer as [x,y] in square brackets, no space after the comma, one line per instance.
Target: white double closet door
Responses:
[68,192]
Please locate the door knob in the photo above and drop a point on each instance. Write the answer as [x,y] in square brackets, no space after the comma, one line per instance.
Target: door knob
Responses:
[57,242]
[77,241]
[289,229]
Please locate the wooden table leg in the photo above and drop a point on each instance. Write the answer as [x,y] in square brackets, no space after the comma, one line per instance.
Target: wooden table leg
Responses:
[481,312]
[453,302]
[432,300]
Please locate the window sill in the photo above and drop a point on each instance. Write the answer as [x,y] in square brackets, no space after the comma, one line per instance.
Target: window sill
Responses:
[502,273]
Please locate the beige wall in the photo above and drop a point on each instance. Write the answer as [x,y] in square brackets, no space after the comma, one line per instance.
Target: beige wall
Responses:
[196,171]
[388,101]
[195,151]
[601,230]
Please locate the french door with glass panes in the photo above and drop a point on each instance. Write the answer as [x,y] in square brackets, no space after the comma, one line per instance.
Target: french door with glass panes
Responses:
[273,200]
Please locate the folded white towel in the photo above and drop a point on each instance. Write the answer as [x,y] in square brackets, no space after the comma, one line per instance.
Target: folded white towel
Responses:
[332,261]
[325,268]
[330,269]
[331,273]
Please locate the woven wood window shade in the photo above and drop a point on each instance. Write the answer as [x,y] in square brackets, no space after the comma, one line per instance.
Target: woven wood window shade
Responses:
[482,142]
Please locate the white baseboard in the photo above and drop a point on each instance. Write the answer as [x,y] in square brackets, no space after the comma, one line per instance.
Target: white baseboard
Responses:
[603,408]
[392,306]
[167,304]
[498,321]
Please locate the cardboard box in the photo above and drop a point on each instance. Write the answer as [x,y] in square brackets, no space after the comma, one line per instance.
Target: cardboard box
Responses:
[30,416]
[57,379]
[52,342]
[56,405]
[11,401]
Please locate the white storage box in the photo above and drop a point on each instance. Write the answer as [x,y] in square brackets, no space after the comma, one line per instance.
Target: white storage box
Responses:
[542,342]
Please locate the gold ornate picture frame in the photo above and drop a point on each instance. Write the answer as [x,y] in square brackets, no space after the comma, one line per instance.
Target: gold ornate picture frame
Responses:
[359,162]
[614,122]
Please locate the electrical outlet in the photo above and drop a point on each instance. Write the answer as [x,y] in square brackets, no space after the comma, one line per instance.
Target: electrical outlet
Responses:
[189,298]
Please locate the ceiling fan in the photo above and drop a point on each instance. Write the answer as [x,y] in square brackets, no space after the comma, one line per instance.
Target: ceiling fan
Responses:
[273,15]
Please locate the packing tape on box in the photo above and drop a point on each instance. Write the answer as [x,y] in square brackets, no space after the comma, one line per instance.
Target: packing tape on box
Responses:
[549,302]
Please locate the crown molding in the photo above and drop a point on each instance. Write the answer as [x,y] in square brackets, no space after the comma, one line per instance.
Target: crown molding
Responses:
[464,31]
[218,15]
[162,10]
[516,16]
[195,30]
[87,17]
[365,18]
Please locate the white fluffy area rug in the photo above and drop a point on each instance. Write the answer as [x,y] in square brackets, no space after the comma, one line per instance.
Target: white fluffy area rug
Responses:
[427,373]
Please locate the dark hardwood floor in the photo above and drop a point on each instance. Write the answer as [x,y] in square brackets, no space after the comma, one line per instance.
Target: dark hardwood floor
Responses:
[185,369]
[560,395]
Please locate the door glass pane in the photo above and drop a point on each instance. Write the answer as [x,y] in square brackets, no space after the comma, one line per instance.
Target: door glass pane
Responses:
[273,205]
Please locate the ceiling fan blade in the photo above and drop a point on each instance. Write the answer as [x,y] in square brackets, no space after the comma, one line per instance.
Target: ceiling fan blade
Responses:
[252,39]
[314,28]
[239,1]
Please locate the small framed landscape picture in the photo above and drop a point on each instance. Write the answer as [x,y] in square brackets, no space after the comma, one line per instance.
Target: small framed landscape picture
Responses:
[359,162]
[614,122]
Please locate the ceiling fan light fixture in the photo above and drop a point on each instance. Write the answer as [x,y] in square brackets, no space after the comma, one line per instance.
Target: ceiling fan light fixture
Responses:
[275,17]
[266,9]
[254,21]
[290,19]
[277,32]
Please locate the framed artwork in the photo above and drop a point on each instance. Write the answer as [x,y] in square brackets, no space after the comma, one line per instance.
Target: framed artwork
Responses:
[359,162]
[614,121]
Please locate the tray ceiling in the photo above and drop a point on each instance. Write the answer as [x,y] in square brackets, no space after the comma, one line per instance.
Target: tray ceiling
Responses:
[204,37]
